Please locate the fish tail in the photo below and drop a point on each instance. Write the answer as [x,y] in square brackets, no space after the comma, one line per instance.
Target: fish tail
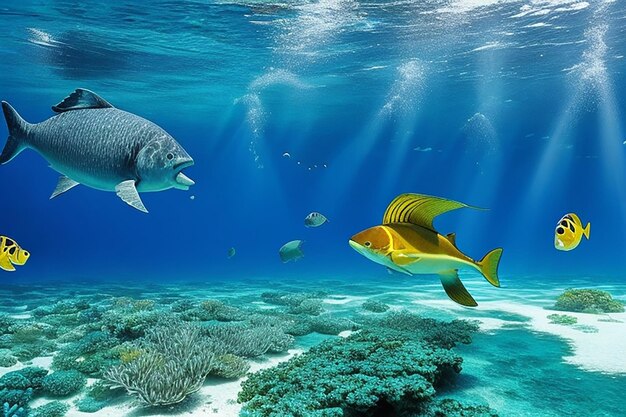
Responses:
[18,130]
[489,266]
[587,230]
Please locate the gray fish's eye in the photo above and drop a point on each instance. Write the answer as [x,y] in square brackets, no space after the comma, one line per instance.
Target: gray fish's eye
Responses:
[170,156]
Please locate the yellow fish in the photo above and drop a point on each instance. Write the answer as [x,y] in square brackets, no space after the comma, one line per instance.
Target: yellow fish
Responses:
[11,254]
[407,242]
[569,232]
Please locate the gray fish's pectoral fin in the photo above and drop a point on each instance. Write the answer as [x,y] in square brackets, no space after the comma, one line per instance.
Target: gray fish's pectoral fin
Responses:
[64,184]
[455,288]
[81,99]
[127,191]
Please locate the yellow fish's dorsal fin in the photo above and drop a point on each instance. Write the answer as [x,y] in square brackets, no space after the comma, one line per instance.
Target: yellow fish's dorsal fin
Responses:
[452,238]
[419,209]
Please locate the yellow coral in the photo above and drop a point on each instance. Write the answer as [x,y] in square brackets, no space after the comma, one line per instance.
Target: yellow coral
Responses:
[130,355]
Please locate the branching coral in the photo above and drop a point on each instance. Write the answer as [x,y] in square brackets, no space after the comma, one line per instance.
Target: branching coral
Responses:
[176,361]
[250,342]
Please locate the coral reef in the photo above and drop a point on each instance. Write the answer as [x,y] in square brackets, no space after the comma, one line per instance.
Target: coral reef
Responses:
[563,319]
[176,361]
[375,306]
[363,374]
[63,383]
[588,301]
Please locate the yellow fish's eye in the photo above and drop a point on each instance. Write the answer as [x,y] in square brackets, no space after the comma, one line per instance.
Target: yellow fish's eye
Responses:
[560,230]
[368,244]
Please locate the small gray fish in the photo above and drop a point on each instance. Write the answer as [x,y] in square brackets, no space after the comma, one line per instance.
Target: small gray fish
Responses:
[231,252]
[315,219]
[90,142]
[291,251]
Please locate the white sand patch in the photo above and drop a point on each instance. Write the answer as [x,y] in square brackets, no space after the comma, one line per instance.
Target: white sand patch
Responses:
[43,362]
[345,333]
[344,300]
[602,351]
[22,316]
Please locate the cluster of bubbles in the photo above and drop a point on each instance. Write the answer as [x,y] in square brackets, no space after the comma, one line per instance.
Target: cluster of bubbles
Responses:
[310,167]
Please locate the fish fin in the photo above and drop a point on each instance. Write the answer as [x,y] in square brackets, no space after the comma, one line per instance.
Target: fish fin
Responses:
[127,191]
[18,128]
[419,209]
[401,258]
[455,288]
[587,230]
[489,266]
[64,184]
[452,238]
[6,264]
[81,99]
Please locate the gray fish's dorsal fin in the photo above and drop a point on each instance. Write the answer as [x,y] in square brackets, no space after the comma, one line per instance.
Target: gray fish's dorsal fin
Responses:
[81,99]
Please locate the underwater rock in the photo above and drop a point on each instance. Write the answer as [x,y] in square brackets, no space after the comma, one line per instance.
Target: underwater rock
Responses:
[588,301]
[356,375]
[375,306]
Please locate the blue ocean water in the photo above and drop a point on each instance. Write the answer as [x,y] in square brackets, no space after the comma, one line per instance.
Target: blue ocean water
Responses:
[338,106]
[510,105]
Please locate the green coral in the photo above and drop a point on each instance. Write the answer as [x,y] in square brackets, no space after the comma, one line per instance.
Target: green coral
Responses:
[327,324]
[176,361]
[563,319]
[6,358]
[375,306]
[63,383]
[230,366]
[358,373]
[51,409]
[588,301]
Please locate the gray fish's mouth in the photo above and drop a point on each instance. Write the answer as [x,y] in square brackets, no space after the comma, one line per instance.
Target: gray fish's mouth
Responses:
[183,182]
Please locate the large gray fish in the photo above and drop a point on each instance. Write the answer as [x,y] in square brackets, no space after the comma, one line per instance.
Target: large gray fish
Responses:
[90,142]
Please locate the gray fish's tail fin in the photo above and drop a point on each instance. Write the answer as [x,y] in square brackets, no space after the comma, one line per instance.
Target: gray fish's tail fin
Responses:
[18,129]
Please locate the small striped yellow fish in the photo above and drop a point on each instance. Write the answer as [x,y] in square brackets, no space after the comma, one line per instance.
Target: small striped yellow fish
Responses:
[569,232]
[11,254]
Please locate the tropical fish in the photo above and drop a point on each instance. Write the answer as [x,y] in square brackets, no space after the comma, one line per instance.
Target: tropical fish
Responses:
[407,242]
[569,232]
[90,142]
[291,251]
[315,219]
[11,254]
[231,252]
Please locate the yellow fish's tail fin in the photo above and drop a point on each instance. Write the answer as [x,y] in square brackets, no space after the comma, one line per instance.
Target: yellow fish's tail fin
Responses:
[489,266]
[587,230]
